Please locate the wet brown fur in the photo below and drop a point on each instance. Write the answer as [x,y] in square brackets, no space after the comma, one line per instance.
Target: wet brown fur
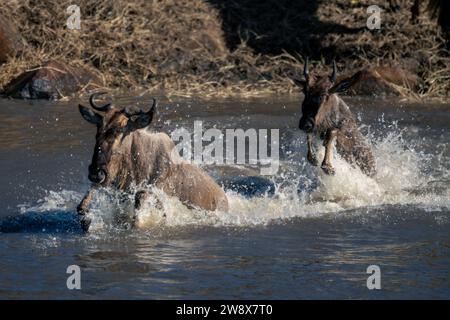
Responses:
[141,157]
[333,121]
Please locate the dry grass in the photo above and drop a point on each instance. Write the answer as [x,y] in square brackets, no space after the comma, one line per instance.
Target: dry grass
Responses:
[419,47]
[178,46]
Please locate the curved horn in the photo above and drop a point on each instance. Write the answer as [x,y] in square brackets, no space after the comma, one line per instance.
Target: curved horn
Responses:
[333,75]
[134,111]
[141,119]
[152,109]
[106,107]
[305,69]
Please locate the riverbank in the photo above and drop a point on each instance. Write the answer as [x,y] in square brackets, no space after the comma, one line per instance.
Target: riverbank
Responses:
[220,48]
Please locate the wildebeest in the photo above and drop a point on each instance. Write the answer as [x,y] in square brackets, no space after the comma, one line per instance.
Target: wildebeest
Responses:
[326,114]
[127,154]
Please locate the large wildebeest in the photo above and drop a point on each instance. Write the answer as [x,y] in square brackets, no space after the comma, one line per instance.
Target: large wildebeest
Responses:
[126,154]
[326,114]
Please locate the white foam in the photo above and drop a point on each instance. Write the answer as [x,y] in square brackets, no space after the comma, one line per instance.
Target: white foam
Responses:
[54,200]
[399,180]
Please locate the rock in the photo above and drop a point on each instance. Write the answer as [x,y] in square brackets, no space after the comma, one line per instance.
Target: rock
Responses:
[51,80]
[382,80]
[10,40]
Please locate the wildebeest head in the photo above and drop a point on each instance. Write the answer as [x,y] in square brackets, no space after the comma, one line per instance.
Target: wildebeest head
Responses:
[112,127]
[317,91]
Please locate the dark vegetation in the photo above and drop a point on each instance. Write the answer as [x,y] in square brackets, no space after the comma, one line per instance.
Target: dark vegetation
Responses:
[226,47]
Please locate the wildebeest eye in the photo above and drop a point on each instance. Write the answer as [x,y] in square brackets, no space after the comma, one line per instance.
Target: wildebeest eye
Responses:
[317,99]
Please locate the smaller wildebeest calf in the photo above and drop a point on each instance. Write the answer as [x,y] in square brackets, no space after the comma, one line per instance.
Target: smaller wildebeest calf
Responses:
[126,154]
[326,114]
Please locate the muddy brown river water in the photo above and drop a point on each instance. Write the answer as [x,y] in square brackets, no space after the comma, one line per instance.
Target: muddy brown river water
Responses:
[299,234]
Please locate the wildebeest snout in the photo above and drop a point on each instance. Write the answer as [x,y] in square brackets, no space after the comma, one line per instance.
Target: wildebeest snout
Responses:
[96,175]
[306,124]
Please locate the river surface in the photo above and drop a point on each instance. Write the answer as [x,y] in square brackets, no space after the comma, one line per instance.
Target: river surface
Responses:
[296,234]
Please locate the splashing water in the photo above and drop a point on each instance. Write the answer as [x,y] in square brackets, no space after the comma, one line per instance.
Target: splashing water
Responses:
[403,177]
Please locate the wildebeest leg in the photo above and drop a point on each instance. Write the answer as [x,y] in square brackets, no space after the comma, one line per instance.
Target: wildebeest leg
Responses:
[139,200]
[327,166]
[311,153]
[122,218]
[82,209]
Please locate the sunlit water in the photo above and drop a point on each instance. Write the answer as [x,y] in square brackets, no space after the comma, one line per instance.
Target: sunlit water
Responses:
[302,234]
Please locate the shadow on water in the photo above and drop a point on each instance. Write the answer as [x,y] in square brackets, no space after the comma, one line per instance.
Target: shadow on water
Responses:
[38,222]
[249,187]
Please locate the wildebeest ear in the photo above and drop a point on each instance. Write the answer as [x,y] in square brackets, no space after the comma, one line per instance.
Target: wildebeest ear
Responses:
[142,119]
[342,85]
[139,121]
[90,116]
